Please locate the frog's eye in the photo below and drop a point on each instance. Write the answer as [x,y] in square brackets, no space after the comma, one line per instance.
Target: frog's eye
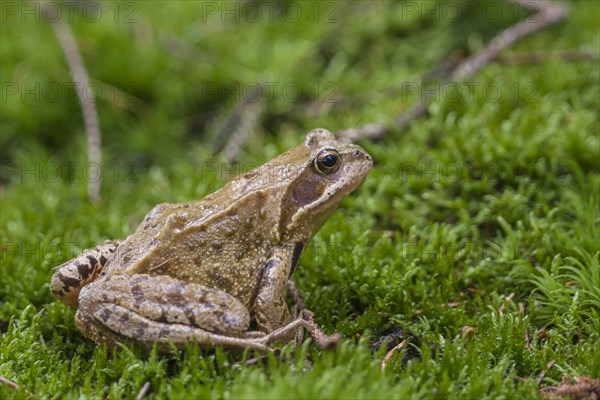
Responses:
[327,161]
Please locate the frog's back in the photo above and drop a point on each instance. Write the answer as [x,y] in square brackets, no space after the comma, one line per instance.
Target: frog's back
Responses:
[214,242]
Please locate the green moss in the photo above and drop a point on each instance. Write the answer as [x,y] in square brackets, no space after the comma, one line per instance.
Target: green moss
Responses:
[477,228]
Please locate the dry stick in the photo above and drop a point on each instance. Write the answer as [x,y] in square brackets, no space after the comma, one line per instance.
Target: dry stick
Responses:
[390,354]
[239,124]
[547,14]
[13,385]
[250,118]
[543,373]
[538,57]
[82,82]
[9,383]
[143,391]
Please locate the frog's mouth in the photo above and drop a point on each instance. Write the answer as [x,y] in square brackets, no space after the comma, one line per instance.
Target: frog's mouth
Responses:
[326,205]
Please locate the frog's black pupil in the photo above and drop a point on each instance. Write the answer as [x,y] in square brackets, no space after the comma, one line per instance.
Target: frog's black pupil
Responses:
[329,161]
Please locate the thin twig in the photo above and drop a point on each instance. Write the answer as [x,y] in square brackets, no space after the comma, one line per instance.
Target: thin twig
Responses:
[390,353]
[239,124]
[255,360]
[368,131]
[68,44]
[538,57]
[528,342]
[547,14]
[9,383]
[543,373]
[239,137]
[13,385]
[143,391]
[507,300]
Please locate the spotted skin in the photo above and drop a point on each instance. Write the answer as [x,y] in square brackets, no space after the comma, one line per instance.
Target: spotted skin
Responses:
[156,309]
[167,301]
[73,275]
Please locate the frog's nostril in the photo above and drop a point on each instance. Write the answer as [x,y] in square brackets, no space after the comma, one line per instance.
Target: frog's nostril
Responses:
[360,154]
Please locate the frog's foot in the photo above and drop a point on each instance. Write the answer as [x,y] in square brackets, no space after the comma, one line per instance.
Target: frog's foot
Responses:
[71,276]
[285,333]
[163,310]
[324,341]
[294,330]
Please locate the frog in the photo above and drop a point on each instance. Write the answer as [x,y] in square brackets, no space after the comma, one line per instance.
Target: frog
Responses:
[214,271]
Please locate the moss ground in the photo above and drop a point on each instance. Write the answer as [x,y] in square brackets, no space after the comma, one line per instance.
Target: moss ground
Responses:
[476,235]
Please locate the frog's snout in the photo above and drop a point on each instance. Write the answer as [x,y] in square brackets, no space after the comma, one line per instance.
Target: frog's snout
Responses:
[363,159]
[361,154]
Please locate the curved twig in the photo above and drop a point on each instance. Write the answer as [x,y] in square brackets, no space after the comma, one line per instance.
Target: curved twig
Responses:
[547,13]
[68,44]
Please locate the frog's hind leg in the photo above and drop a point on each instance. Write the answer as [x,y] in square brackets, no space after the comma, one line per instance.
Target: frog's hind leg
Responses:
[122,325]
[71,276]
[160,309]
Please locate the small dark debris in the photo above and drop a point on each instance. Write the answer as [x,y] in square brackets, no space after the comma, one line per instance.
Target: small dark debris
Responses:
[3,326]
[396,335]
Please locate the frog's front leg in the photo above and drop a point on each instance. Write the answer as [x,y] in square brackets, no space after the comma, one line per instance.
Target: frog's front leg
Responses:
[161,309]
[71,276]
[271,311]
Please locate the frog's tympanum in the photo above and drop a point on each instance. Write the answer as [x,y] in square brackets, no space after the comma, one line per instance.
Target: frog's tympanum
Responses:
[203,271]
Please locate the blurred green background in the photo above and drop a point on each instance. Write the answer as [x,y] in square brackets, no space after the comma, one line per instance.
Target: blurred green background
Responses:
[475,235]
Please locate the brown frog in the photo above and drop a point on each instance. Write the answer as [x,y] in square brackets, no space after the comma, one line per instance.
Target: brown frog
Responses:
[202,271]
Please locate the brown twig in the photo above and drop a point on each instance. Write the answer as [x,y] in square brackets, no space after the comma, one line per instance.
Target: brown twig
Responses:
[538,57]
[467,332]
[547,13]
[13,385]
[368,131]
[143,391]
[528,342]
[543,373]
[390,353]
[507,300]
[255,360]
[77,69]
[239,124]
[9,383]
